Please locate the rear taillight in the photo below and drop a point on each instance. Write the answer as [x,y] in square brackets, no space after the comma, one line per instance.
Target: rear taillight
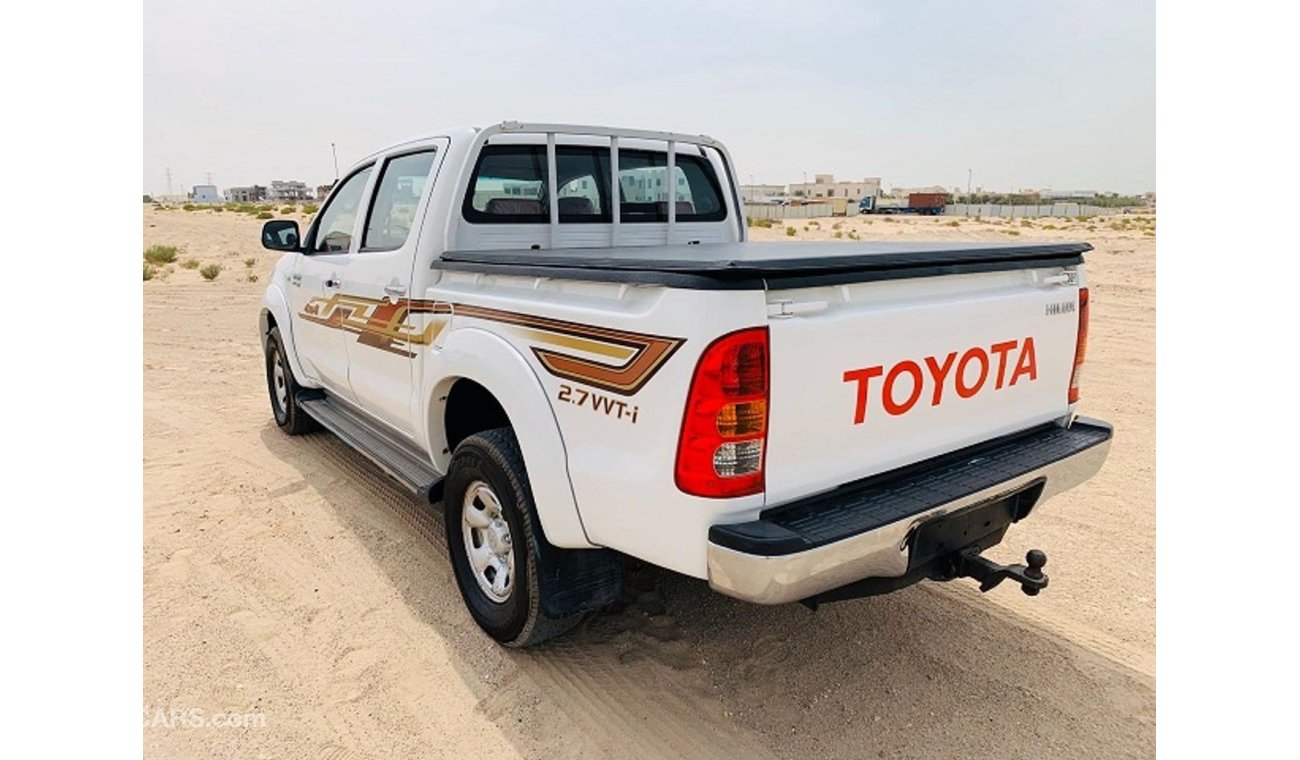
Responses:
[724,429]
[1081,346]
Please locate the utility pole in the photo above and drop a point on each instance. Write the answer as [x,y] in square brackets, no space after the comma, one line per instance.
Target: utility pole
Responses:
[209,176]
[968,174]
[169,180]
[336,161]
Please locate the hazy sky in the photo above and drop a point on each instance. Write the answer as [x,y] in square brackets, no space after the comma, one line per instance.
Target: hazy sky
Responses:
[1025,94]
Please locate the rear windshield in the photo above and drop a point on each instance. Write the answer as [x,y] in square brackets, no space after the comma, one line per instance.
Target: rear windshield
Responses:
[509,186]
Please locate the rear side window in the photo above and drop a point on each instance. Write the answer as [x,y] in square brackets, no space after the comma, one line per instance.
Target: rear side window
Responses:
[392,209]
[509,186]
[645,188]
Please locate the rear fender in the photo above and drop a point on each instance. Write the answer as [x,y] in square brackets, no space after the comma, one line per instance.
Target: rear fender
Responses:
[490,361]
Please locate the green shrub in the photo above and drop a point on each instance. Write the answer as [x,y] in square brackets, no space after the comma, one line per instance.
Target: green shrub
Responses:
[891,220]
[1149,233]
[148,199]
[954,223]
[160,254]
[149,272]
[265,215]
[1011,232]
[289,210]
[837,225]
[310,208]
[790,231]
[190,264]
[218,209]
[838,234]
[1049,226]
[250,262]
[853,234]
[190,207]
[252,277]
[210,271]
[1026,223]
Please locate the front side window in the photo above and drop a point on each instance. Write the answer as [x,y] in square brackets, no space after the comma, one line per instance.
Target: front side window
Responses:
[335,224]
[392,210]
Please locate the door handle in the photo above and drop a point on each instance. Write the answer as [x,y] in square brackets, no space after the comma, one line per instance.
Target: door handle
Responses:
[333,283]
[395,291]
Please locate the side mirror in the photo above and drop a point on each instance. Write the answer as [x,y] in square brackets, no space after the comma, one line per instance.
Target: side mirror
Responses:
[280,235]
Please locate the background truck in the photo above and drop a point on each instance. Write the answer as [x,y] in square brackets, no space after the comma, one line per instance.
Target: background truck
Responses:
[562,335]
[930,204]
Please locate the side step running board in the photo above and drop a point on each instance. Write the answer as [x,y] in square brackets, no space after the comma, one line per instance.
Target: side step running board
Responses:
[395,457]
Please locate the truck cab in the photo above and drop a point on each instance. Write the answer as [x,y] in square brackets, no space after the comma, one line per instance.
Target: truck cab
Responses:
[561,334]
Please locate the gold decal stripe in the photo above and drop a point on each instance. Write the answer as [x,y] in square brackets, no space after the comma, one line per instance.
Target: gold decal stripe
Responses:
[622,353]
[381,324]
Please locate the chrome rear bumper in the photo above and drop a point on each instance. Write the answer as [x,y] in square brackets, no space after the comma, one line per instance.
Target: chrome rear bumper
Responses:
[786,555]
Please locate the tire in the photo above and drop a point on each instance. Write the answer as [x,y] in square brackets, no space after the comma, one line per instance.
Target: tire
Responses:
[283,389]
[487,471]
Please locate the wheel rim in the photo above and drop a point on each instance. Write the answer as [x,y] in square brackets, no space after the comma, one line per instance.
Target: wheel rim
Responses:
[279,382]
[487,542]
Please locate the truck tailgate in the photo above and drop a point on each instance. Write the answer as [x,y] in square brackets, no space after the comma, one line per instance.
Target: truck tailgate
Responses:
[870,376]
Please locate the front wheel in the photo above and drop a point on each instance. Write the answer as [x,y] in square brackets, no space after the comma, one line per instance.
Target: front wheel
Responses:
[283,389]
[498,551]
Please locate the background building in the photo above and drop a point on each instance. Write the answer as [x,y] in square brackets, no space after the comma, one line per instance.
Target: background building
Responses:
[761,193]
[289,190]
[825,186]
[250,194]
[323,191]
[205,194]
[903,192]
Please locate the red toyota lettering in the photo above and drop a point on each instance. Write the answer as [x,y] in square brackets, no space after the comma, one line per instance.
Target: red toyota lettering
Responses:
[967,382]
[911,368]
[863,378]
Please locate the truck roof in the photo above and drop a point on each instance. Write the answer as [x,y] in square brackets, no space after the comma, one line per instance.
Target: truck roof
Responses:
[749,265]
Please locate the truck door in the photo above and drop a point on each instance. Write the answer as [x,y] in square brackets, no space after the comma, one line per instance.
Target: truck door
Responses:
[321,313]
[378,279]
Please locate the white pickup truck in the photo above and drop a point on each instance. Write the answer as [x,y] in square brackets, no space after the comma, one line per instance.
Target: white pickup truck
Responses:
[579,375]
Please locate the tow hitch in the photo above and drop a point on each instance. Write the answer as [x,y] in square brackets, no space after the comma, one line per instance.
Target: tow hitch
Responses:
[948,547]
[989,574]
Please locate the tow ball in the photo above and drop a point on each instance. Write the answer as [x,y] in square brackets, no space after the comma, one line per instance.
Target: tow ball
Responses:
[989,574]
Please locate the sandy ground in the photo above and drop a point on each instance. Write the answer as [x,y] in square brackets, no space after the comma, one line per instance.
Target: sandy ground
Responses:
[290,579]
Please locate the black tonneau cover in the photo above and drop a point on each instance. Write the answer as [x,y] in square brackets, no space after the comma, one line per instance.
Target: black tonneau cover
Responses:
[765,265]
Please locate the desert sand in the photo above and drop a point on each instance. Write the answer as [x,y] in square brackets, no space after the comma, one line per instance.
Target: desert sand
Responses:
[289,578]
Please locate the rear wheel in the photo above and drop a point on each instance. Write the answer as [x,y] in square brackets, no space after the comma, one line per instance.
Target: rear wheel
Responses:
[283,389]
[498,551]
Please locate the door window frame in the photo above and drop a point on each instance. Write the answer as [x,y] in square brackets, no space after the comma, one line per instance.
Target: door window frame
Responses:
[378,179]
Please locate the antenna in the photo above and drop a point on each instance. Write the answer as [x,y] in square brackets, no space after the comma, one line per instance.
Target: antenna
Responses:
[335,151]
[209,176]
[169,180]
